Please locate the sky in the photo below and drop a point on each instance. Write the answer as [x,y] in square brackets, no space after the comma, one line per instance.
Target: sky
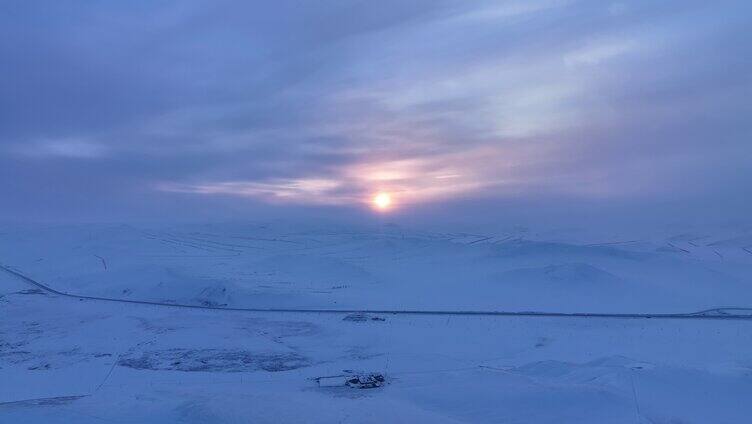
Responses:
[216,110]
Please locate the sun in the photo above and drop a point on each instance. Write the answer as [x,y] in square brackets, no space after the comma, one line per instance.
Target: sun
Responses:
[382,201]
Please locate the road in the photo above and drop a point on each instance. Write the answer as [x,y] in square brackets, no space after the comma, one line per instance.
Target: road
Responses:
[709,314]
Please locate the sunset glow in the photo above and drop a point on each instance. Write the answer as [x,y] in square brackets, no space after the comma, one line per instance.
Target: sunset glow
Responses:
[382,201]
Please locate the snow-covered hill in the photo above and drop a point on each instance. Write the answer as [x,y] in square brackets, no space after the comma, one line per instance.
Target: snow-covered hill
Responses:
[70,360]
[388,267]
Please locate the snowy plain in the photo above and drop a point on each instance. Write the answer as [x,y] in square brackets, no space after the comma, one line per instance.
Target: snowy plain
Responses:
[64,359]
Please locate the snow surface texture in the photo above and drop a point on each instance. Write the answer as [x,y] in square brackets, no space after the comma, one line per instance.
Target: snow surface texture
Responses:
[66,360]
[387,268]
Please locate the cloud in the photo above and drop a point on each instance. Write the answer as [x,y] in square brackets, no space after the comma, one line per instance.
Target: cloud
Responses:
[73,148]
[306,191]
[324,104]
[599,52]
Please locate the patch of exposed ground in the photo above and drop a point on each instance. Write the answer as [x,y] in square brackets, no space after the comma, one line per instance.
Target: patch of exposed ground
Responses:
[214,360]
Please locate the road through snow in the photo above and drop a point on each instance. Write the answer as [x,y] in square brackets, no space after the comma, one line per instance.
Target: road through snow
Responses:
[709,314]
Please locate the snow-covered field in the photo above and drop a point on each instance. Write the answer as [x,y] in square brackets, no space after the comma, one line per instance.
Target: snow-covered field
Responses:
[389,267]
[68,360]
